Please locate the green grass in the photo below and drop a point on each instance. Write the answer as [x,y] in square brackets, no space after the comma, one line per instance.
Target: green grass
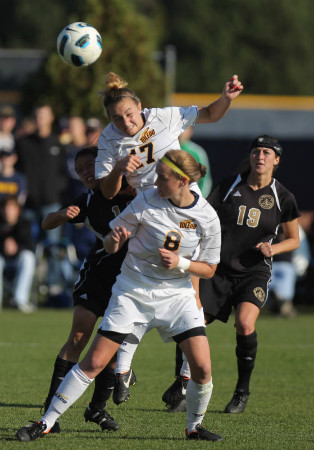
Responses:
[279,415]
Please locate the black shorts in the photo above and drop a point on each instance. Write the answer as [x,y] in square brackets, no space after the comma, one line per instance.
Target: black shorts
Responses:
[220,293]
[93,286]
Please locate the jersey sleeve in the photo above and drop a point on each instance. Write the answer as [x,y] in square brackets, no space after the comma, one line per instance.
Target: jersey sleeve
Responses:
[210,243]
[217,195]
[130,217]
[290,209]
[105,159]
[177,119]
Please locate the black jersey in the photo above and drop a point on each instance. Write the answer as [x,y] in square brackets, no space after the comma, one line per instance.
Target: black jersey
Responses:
[96,212]
[248,217]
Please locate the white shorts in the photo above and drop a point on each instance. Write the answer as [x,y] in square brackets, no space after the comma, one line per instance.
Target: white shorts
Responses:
[136,310]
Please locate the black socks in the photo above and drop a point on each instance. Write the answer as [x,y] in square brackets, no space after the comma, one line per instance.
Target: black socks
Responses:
[246,350]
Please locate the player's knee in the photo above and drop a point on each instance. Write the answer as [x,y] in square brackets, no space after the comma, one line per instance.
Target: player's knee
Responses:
[96,362]
[77,342]
[244,327]
[202,373]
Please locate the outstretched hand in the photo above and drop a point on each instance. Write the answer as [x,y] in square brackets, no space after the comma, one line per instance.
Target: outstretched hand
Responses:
[70,212]
[233,87]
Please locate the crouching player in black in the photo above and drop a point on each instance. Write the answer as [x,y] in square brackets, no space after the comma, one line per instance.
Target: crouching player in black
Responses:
[92,289]
[250,206]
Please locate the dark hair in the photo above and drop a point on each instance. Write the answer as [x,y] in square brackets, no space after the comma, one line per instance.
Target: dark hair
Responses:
[267,142]
[116,90]
[86,151]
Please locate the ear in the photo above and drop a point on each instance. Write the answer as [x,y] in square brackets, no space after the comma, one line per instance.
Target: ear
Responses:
[184,181]
[276,160]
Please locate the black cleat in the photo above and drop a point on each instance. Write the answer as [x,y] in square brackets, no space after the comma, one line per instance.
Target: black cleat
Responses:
[174,396]
[55,428]
[121,391]
[32,432]
[202,434]
[238,402]
[180,406]
[101,417]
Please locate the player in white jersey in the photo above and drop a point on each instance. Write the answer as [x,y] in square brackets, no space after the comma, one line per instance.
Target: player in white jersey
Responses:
[136,139]
[164,227]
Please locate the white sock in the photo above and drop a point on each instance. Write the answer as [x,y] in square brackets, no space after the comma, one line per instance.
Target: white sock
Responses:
[124,357]
[72,387]
[197,399]
[185,368]
[128,348]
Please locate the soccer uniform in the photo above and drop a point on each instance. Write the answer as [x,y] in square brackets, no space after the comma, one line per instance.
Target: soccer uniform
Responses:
[159,134]
[247,217]
[146,292]
[99,269]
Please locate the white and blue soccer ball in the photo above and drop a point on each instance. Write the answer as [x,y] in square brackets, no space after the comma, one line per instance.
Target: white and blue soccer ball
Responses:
[79,44]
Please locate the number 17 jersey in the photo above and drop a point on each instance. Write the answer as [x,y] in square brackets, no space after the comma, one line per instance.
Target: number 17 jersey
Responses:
[162,127]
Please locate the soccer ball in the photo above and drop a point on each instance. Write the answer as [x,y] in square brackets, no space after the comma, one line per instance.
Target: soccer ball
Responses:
[79,44]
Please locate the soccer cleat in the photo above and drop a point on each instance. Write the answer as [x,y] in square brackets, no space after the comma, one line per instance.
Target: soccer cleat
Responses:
[238,402]
[180,406]
[56,428]
[202,434]
[174,396]
[121,391]
[32,432]
[101,417]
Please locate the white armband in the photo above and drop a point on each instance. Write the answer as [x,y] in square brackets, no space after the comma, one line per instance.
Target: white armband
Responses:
[183,264]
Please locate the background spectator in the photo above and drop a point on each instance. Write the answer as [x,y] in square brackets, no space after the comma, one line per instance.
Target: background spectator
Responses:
[287,269]
[93,129]
[17,257]
[42,159]
[7,124]
[12,182]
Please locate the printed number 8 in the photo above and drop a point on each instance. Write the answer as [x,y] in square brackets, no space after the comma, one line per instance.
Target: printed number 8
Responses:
[172,241]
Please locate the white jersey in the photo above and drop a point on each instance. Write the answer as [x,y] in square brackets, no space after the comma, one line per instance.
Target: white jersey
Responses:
[156,223]
[159,134]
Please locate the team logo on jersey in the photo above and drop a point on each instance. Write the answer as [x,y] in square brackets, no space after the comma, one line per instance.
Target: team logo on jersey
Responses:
[259,293]
[147,133]
[266,201]
[188,223]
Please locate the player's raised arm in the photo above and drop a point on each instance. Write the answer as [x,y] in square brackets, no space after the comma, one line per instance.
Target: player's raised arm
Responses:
[217,109]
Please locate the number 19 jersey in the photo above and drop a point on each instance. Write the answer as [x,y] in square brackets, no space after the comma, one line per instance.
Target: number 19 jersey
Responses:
[248,217]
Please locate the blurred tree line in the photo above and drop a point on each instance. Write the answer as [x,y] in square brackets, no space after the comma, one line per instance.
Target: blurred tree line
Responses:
[269,44]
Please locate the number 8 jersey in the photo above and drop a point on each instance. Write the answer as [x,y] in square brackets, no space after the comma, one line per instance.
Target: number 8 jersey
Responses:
[248,217]
[192,232]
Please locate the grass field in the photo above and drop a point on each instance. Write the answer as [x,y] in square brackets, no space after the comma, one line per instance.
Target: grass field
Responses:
[279,415]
